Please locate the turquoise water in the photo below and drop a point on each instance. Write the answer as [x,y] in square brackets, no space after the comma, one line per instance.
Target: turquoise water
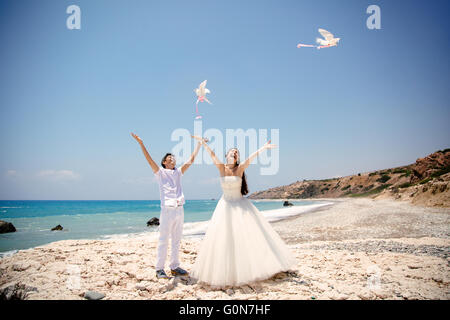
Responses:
[95,219]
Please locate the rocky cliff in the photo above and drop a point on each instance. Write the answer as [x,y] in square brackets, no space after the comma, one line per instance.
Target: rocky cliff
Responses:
[425,182]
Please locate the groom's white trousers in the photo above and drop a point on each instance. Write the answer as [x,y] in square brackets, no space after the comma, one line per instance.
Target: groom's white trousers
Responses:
[170,226]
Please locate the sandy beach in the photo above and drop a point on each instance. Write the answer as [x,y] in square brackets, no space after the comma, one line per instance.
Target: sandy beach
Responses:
[358,248]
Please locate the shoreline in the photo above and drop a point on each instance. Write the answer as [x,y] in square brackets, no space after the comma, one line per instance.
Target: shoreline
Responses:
[192,229]
[354,249]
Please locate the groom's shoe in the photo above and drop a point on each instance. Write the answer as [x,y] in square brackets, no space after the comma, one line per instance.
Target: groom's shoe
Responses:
[179,272]
[160,274]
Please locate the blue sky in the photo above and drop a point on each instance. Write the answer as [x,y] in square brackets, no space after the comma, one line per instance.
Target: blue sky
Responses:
[70,98]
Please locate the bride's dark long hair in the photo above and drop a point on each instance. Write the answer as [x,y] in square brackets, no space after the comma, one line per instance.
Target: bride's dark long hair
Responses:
[244,187]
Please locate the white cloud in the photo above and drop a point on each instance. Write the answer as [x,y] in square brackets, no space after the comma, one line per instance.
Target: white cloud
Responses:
[211,181]
[58,175]
[11,173]
[140,180]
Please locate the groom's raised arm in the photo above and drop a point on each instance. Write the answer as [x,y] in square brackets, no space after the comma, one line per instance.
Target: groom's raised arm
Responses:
[191,159]
[150,161]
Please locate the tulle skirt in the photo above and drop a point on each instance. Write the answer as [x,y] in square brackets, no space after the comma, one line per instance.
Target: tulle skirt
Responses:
[240,247]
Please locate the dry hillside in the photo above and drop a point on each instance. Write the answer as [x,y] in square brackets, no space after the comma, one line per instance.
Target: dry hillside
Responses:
[425,182]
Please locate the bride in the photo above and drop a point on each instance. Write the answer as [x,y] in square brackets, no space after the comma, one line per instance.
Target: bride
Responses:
[239,246]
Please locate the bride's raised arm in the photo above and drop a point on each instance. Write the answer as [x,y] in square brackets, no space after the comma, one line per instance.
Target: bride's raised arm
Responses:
[214,158]
[244,165]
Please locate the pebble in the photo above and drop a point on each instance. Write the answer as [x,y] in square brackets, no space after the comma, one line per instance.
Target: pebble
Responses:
[387,246]
[140,287]
[92,295]
[246,289]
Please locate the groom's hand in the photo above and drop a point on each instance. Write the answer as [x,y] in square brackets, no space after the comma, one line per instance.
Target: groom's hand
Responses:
[138,139]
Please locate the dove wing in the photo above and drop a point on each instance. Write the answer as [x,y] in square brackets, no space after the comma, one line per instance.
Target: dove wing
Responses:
[327,35]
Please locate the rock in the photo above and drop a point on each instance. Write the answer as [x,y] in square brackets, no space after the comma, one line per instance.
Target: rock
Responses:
[141,276]
[153,222]
[57,228]
[438,279]
[304,283]
[287,204]
[16,291]
[322,286]
[425,167]
[141,287]
[6,227]
[365,295]
[246,289]
[229,292]
[382,294]
[21,266]
[414,266]
[167,287]
[92,295]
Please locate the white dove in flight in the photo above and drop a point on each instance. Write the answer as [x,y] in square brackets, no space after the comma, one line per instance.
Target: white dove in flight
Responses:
[329,40]
[201,92]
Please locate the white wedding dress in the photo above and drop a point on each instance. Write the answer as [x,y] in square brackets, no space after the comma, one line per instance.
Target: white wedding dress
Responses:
[239,246]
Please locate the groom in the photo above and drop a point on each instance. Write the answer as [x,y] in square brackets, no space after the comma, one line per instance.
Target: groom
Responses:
[172,212]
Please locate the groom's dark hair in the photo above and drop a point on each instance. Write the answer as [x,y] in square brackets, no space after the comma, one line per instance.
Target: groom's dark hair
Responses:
[164,159]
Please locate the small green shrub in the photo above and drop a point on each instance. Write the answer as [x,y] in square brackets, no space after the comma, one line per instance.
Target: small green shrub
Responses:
[371,192]
[384,178]
[405,185]
[440,172]
[425,180]
[407,174]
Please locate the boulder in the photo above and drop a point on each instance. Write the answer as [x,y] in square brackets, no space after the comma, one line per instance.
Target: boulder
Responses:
[6,227]
[153,222]
[92,295]
[57,228]
[433,163]
[16,291]
[287,204]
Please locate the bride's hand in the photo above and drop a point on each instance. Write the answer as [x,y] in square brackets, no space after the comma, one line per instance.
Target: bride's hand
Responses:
[200,139]
[269,146]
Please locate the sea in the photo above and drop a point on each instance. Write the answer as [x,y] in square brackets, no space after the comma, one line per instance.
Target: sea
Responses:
[102,219]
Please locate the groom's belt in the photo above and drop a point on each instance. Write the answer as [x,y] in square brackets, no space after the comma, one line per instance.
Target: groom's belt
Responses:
[172,207]
[172,203]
